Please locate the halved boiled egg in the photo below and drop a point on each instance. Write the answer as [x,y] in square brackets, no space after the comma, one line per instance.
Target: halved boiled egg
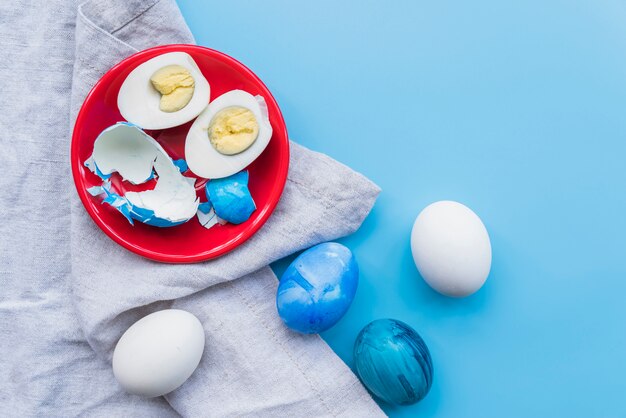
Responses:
[165,91]
[228,135]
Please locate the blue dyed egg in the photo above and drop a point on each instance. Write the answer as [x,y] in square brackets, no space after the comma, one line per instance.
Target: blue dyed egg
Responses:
[393,362]
[231,197]
[317,288]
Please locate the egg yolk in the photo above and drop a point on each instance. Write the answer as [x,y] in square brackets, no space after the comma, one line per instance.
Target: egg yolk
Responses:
[176,86]
[233,130]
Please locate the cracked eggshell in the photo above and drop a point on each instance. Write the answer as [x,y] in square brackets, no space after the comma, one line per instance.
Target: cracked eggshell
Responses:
[317,288]
[127,150]
[138,101]
[159,352]
[204,160]
[206,215]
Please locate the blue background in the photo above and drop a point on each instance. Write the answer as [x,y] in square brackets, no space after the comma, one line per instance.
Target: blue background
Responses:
[516,109]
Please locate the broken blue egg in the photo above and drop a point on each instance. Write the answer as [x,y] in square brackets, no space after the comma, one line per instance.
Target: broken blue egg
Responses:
[126,149]
[231,197]
[393,362]
[317,288]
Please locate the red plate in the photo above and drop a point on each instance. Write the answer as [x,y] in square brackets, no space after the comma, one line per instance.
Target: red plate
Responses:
[189,242]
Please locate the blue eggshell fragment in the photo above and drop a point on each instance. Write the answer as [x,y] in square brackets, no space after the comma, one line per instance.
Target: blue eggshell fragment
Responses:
[205,207]
[148,217]
[118,202]
[95,190]
[393,362]
[317,288]
[101,175]
[231,197]
[181,164]
[91,164]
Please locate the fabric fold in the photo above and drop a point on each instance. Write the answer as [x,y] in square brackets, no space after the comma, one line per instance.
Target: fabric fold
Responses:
[322,200]
[252,365]
[300,375]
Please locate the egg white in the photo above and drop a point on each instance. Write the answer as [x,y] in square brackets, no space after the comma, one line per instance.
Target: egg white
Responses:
[203,159]
[138,101]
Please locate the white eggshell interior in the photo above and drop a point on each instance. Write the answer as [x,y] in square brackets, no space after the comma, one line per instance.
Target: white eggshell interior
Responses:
[451,248]
[207,220]
[206,161]
[138,101]
[132,153]
[159,352]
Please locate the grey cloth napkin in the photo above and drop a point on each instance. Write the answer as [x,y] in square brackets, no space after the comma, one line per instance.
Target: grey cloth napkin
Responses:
[63,308]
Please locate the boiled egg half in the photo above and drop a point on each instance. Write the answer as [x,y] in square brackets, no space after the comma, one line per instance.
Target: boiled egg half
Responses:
[228,135]
[166,91]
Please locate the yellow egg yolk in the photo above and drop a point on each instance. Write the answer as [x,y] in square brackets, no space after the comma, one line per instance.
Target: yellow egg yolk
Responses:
[233,130]
[176,86]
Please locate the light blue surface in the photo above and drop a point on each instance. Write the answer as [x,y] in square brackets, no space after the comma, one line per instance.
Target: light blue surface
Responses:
[516,110]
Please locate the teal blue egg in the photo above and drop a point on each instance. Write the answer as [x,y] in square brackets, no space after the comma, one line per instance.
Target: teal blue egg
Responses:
[393,362]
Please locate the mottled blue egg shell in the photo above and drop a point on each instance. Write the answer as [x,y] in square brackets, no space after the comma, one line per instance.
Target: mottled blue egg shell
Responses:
[231,197]
[317,288]
[393,362]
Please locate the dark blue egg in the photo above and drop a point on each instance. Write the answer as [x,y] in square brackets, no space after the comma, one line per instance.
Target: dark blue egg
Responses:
[393,362]
[317,288]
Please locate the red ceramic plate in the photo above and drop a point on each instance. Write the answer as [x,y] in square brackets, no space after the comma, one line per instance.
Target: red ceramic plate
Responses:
[189,242]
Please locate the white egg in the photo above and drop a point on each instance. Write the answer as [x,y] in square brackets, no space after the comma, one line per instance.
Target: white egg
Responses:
[158,353]
[206,161]
[451,248]
[138,101]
